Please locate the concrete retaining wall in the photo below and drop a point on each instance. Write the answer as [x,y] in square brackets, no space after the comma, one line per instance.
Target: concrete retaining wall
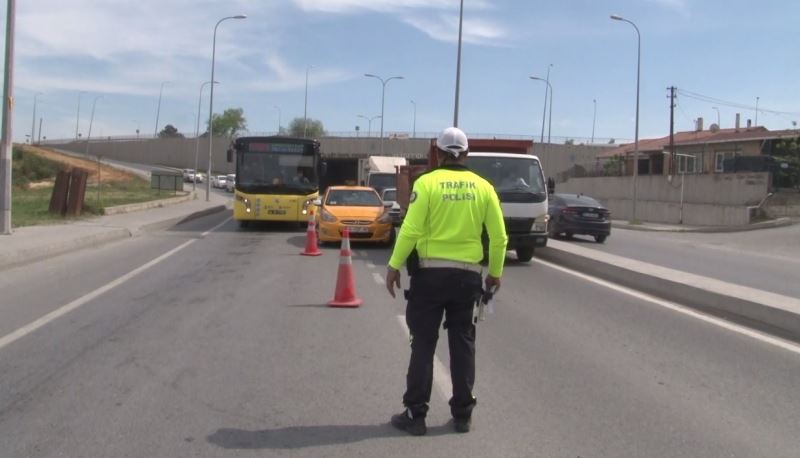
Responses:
[709,200]
[180,152]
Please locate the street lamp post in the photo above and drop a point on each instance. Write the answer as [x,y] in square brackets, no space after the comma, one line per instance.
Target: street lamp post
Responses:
[158,109]
[78,115]
[544,108]
[91,121]
[594,119]
[211,103]
[279,117]
[197,133]
[383,96]
[757,99]
[458,64]
[636,138]
[369,123]
[414,125]
[550,87]
[305,105]
[33,123]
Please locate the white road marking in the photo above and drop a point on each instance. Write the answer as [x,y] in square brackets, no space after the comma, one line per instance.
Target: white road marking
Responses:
[766,338]
[370,264]
[362,253]
[378,279]
[441,376]
[63,310]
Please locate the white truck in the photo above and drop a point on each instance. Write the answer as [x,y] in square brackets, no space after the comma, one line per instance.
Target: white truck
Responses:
[379,172]
[516,175]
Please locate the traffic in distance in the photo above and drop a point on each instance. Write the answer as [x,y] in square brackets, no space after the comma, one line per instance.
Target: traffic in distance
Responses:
[278,179]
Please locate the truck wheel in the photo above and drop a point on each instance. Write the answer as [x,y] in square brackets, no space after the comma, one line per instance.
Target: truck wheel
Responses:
[600,238]
[524,253]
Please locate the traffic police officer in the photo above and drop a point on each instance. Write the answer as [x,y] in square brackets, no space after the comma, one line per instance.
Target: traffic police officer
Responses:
[449,207]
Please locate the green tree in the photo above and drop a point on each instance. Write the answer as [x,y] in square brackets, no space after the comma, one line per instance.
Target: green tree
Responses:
[787,151]
[170,131]
[315,129]
[613,166]
[229,123]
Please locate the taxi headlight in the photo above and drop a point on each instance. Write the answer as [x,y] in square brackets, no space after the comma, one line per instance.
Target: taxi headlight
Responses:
[327,217]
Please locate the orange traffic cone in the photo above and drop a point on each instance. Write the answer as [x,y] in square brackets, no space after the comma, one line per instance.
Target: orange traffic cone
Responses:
[345,295]
[311,238]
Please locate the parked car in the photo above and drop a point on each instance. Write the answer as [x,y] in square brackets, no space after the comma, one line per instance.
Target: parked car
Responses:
[572,214]
[230,182]
[218,181]
[356,207]
[389,197]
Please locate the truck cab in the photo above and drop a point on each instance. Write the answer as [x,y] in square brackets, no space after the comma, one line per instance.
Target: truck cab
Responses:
[516,175]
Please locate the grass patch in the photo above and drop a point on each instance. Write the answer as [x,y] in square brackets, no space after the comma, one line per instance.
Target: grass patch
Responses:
[29,207]
[27,167]
[126,192]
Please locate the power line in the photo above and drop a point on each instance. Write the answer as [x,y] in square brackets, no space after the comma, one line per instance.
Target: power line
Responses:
[714,100]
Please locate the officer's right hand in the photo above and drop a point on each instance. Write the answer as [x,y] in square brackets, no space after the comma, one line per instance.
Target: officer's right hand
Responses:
[492,283]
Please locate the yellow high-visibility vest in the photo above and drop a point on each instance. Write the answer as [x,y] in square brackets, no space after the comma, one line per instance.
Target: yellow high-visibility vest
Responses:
[448,209]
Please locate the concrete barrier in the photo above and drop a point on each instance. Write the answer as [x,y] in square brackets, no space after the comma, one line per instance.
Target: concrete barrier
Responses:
[770,312]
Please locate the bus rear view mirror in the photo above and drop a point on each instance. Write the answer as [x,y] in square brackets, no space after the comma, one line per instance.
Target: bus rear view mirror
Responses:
[230,155]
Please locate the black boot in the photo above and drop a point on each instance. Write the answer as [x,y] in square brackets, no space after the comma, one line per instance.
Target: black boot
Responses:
[462,425]
[413,426]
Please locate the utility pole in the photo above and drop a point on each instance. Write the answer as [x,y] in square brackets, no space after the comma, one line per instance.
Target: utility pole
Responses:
[671,129]
[5,134]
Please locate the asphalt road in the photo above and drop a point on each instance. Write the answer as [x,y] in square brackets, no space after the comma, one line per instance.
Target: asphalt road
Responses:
[767,259]
[225,348]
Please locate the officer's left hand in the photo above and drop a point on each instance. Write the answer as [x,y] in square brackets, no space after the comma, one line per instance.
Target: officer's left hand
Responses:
[392,279]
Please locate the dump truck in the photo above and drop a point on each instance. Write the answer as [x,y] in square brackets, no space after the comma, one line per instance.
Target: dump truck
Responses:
[517,176]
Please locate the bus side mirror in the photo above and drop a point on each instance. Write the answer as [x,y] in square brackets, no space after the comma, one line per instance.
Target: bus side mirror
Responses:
[230,155]
[323,168]
[551,185]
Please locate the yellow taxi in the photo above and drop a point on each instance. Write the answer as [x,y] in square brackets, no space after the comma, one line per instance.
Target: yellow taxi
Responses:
[356,207]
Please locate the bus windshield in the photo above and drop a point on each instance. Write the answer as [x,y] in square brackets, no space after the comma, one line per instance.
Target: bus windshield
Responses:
[290,170]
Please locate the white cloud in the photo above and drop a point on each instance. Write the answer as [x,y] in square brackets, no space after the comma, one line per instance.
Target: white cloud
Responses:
[445,28]
[682,6]
[350,6]
[284,77]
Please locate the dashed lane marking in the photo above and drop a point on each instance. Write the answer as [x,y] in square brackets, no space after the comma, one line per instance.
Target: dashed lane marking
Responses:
[370,264]
[378,279]
[63,310]
[441,376]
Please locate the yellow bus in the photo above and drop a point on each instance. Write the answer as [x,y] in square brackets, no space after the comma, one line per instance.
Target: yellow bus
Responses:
[277,178]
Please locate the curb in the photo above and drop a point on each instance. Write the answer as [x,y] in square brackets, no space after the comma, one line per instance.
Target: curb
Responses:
[773,313]
[111,234]
[779,222]
[43,252]
[139,206]
[168,223]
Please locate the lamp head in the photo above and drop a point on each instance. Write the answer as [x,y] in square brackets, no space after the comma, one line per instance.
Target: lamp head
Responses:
[240,16]
[616,17]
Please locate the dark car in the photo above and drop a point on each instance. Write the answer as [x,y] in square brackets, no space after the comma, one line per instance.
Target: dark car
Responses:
[572,214]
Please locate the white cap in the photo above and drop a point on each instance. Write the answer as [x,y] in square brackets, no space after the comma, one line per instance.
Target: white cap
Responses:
[453,140]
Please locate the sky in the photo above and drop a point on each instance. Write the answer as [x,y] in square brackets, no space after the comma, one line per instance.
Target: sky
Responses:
[115,55]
